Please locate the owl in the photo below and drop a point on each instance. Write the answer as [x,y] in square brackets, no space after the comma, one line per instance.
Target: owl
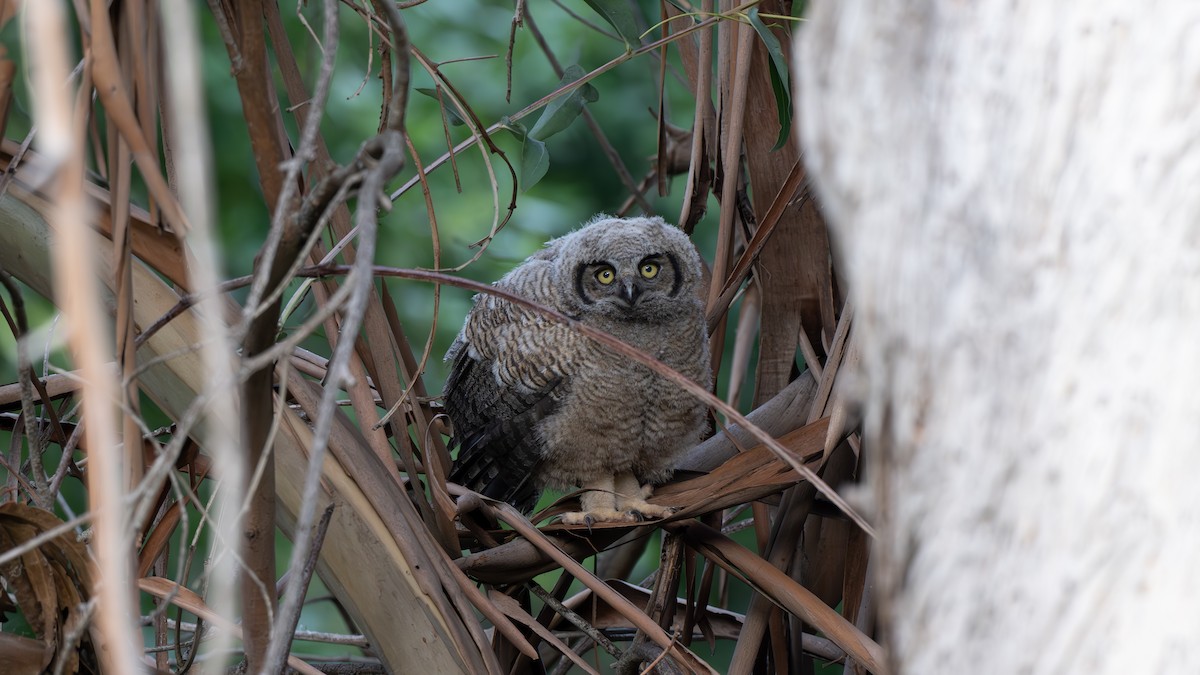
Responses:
[534,404]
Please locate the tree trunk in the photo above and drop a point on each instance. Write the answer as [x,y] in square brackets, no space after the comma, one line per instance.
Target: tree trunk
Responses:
[1014,189]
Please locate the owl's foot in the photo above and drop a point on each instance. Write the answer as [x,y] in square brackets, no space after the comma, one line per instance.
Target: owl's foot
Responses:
[646,511]
[616,499]
[599,504]
[631,497]
[592,517]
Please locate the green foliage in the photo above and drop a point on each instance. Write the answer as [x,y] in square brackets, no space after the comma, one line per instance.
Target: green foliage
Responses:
[779,76]
[557,116]
[619,14]
[535,161]
[577,184]
[563,110]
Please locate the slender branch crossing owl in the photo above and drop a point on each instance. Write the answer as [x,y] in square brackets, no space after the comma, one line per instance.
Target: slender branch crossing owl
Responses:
[535,404]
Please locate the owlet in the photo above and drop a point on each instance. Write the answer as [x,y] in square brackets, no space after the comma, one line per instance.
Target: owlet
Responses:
[535,404]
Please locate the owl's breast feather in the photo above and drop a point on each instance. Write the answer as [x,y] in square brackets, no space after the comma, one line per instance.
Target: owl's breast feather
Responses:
[618,415]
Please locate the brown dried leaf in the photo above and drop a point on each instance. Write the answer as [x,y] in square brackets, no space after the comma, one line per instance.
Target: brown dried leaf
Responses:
[746,477]
[14,576]
[23,655]
[796,270]
[790,191]
[158,539]
[782,590]
[51,581]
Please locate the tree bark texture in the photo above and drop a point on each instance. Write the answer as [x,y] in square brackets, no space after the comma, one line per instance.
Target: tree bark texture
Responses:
[1014,189]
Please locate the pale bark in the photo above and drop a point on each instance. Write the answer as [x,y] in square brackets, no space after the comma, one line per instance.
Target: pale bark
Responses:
[1014,188]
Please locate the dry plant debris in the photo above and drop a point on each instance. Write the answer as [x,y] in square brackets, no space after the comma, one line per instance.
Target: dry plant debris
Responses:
[308,395]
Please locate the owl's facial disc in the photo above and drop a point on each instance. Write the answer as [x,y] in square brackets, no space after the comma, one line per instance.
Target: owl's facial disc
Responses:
[629,290]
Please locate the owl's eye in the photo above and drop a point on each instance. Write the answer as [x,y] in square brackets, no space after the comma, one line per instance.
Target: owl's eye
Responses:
[605,275]
[649,270]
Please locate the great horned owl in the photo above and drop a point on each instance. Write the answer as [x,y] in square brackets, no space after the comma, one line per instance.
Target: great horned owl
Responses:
[535,404]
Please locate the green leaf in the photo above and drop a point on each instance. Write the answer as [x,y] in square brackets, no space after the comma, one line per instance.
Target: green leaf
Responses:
[563,110]
[517,129]
[446,105]
[535,161]
[619,15]
[779,77]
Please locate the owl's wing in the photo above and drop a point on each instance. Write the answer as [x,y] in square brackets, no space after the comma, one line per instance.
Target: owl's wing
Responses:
[508,375]
[494,428]
[498,448]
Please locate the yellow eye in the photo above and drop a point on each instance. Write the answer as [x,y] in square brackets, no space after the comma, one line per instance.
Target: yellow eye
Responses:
[605,275]
[649,270]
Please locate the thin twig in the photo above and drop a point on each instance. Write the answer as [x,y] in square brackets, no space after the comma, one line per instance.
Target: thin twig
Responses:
[75,277]
[519,523]
[388,147]
[635,191]
[185,303]
[33,433]
[289,622]
[571,86]
[517,22]
[579,622]
[345,639]
[583,21]
[487,147]
[290,184]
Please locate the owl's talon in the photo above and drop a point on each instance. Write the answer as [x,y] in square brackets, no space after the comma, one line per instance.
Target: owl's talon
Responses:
[644,511]
[590,518]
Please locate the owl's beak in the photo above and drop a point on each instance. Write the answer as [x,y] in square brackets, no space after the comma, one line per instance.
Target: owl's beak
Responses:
[630,290]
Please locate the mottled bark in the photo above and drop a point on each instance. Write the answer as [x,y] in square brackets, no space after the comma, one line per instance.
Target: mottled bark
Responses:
[1012,187]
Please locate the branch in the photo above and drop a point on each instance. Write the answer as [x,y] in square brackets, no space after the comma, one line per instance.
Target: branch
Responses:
[389,148]
[631,352]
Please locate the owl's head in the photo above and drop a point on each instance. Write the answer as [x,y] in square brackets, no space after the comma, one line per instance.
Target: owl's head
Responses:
[628,269]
